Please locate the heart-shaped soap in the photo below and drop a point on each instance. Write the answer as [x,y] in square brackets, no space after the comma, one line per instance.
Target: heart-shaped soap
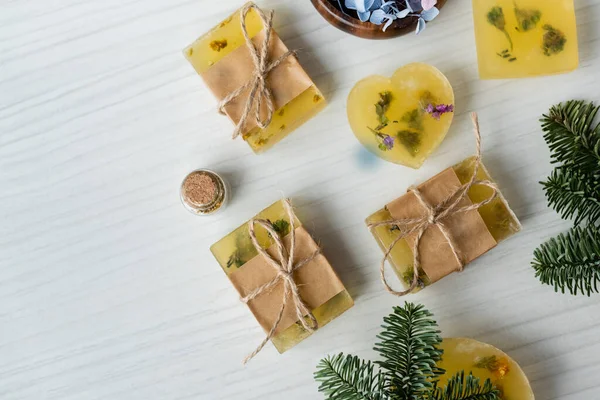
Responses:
[402,119]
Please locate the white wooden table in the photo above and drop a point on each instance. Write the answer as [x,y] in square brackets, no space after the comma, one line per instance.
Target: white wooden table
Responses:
[107,286]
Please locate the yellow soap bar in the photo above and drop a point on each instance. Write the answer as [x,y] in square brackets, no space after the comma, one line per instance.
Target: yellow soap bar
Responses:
[484,362]
[227,37]
[497,215]
[235,249]
[398,118]
[525,38]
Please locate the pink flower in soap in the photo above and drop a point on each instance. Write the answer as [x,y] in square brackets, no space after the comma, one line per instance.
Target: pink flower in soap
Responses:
[428,4]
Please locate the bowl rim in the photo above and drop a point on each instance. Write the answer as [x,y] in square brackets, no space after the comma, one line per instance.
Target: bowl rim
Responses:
[365,30]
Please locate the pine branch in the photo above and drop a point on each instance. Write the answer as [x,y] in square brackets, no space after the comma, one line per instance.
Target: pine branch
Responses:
[346,377]
[469,388]
[572,139]
[570,261]
[573,195]
[409,347]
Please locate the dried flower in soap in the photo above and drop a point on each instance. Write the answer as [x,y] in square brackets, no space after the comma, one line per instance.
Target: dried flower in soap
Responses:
[498,367]
[554,41]
[437,111]
[381,107]
[218,45]
[496,17]
[386,142]
[527,18]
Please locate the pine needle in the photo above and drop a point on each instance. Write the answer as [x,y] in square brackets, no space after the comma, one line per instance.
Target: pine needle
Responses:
[460,387]
[571,261]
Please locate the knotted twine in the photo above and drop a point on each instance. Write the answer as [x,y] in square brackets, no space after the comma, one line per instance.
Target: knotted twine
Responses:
[435,216]
[285,267]
[259,88]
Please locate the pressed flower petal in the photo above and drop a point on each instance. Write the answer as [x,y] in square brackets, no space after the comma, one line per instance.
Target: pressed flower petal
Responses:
[421,24]
[430,14]
[388,142]
[387,24]
[366,4]
[350,4]
[428,4]
[415,5]
[377,17]
[364,16]
[403,14]
[376,4]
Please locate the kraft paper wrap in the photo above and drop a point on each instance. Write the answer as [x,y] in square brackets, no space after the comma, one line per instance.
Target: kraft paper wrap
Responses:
[317,282]
[471,236]
[287,81]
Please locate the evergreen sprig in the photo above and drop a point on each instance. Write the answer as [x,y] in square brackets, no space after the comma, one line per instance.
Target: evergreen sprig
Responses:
[409,348]
[573,139]
[460,387]
[570,193]
[571,262]
[349,377]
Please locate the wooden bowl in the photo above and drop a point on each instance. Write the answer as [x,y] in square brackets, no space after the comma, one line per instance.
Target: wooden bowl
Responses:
[365,30]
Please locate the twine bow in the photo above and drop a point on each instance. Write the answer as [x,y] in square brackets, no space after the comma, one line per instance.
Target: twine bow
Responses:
[434,216]
[285,267]
[259,88]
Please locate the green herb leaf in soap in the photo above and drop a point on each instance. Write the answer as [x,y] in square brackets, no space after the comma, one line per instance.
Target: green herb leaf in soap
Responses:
[496,17]
[411,140]
[235,260]
[381,107]
[426,98]
[527,18]
[414,119]
[281,226]
[490,363]
[244,250]
[554,40]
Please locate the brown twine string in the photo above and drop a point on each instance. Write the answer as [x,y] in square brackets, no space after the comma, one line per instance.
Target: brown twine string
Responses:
[259,88]
[435,216]
[285,268]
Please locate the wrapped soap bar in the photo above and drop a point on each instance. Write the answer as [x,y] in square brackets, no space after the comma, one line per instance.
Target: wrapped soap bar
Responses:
[402,119]
[242,256]
[484,362]
[524,38]
[447,222]
[233,68]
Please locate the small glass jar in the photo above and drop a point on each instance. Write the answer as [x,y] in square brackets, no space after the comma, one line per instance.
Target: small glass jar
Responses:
[204,192]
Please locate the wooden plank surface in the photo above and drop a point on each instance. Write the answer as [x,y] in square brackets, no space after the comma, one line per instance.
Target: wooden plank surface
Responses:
[107,287]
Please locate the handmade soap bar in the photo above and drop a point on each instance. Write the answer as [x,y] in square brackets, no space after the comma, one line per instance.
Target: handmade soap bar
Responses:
[402,119]
[495,222]
[484,362]
[318,283]
[221,57]
[525,37]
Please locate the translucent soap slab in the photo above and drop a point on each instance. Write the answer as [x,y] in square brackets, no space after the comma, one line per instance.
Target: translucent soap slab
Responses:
[235,249]
[497,215]
[485,362]
[227,37]
[525,38]
[393,111]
